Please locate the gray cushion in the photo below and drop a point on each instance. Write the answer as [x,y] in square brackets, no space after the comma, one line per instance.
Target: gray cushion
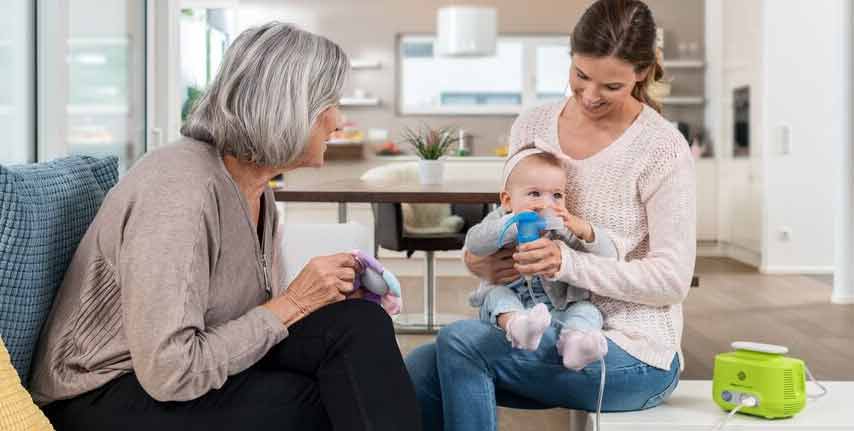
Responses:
[45,209]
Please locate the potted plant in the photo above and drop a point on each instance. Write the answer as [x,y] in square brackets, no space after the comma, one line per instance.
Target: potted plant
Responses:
[430,145]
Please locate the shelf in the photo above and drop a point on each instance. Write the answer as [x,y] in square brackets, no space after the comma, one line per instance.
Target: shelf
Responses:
[684,64]
[365,64]
[359,101]
[684,100]
[344,142]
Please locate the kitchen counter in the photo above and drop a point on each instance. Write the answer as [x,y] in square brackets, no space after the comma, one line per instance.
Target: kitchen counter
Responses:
[482,167]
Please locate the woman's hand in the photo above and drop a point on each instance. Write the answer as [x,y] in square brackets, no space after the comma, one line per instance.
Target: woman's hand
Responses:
[497,268]
[578,226]
[540,257]
[323,281]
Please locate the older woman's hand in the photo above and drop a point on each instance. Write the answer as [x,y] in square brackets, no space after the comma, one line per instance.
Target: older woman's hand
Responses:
[540,257]
[323,281]
[496,269]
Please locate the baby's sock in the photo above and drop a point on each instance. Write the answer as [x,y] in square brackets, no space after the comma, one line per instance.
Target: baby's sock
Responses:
[579,348]
[526,328]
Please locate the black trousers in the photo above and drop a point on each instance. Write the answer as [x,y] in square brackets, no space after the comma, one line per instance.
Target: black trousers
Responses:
[339,369]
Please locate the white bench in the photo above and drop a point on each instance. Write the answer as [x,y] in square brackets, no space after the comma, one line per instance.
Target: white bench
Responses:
[690,407]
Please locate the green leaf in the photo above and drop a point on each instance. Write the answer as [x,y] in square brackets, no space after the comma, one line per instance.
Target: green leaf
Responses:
[429,143]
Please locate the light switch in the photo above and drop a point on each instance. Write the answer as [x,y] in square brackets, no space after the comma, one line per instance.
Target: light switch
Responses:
[785,138]
[785,234]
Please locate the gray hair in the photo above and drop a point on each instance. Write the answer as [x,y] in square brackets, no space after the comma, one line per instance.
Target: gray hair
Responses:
[274,82]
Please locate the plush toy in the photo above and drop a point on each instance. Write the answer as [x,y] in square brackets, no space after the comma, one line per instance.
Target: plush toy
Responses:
[380,286]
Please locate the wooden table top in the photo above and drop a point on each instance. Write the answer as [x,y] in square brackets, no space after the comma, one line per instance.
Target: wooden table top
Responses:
[451,191]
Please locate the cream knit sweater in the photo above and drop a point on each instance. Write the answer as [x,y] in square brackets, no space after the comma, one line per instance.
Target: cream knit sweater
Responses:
[641,188]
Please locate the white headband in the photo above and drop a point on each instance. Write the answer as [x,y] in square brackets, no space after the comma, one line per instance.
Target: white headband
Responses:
[539,148]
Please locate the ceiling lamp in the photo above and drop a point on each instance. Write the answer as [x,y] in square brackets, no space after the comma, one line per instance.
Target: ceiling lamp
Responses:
[467,31]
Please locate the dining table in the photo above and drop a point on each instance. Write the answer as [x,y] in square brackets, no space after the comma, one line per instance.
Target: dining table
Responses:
[450,191]
[347,191]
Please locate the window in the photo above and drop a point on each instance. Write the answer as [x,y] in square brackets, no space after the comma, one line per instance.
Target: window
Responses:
[205,35]
[91,82]
[525,71]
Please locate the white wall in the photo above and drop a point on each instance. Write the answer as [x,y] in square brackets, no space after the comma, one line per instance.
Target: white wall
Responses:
[804,82]
[843,276]
[793,56]
[733,46]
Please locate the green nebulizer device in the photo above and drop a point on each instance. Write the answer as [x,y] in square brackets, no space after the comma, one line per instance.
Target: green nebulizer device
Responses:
[760,380]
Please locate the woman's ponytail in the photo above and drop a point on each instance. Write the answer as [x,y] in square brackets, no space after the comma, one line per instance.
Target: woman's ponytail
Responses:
[654,88]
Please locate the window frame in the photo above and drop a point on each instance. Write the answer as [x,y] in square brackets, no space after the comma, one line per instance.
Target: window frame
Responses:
[530,42]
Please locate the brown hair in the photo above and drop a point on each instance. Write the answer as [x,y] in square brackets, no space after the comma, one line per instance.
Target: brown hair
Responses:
[624,29]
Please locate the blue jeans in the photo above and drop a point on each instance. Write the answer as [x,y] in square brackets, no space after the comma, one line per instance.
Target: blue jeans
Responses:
[456,378]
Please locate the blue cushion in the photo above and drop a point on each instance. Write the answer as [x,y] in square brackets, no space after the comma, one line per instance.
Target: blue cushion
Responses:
[45,209]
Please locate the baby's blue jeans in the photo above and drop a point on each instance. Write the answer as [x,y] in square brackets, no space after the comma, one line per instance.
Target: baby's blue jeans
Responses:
[515,296]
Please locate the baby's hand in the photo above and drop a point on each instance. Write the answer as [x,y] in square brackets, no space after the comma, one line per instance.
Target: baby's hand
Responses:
[578,226]
[563,213]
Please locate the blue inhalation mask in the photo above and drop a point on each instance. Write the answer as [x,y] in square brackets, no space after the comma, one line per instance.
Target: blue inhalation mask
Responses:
[529,225]
[529,228]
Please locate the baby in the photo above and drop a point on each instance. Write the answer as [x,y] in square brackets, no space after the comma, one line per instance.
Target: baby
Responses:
[535,180]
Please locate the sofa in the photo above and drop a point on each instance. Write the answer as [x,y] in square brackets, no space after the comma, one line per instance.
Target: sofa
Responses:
[45,210]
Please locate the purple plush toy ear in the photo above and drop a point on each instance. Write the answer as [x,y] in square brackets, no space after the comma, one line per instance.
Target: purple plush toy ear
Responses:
[368,261]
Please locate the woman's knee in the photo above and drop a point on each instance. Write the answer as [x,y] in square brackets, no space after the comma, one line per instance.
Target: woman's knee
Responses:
[362,326]
[462,335]
[361,315]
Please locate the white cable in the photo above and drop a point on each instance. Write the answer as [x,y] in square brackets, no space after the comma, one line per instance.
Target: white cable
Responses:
[601,361]
[745,402]
[601,393]
[720,425]
[528,280]
[601,384]
[823,389]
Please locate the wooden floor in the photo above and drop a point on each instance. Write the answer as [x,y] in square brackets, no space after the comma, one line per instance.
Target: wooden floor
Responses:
[734,302]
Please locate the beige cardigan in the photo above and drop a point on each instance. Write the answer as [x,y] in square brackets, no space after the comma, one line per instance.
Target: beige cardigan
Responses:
[166,283]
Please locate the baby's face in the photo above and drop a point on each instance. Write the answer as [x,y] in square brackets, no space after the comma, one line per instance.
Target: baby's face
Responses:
[533,186]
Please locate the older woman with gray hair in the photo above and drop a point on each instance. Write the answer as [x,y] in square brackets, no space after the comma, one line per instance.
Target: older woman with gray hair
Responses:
[172,314]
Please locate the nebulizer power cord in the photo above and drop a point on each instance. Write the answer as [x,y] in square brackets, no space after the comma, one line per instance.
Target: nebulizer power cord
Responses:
[528,280]
[752,402]
[745,402]
[814,397]
[530,225]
